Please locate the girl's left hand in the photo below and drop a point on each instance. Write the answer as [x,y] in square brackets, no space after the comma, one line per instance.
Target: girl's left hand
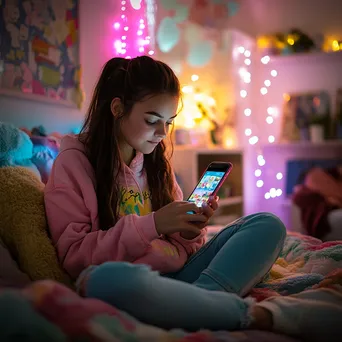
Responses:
[208,209]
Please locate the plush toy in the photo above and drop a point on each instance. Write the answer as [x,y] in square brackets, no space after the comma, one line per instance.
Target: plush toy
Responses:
[16,148]
[23,226]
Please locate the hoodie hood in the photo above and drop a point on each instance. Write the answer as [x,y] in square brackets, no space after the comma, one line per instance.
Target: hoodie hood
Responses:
[130,175]
[71,142]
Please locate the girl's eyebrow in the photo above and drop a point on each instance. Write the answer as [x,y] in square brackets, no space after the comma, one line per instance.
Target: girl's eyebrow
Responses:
[155,114]
[158,115]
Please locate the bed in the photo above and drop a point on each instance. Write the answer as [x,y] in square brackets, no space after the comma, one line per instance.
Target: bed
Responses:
[49,311]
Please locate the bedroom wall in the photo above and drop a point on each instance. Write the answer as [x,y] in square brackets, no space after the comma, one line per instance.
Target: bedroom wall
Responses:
[268,16]
[255,16]
[95,49]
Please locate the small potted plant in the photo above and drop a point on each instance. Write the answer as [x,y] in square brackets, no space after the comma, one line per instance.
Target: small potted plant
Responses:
[317,128]
[338,125]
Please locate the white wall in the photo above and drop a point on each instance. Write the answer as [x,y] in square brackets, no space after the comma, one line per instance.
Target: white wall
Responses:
[96,18]
[257,17]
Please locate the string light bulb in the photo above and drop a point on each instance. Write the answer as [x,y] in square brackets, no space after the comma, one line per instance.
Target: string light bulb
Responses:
[269,120]
[247,111]
[248,132]
[259,183]
[263,91]
[257,173]
[271,139]
[243,93]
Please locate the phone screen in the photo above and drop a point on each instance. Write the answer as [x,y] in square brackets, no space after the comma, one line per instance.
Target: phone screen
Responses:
[206,186]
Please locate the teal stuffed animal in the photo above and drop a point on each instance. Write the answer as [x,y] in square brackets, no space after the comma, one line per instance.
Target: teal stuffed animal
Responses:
[16,148]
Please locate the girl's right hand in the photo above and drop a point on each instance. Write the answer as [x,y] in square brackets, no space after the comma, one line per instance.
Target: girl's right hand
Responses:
[174,218]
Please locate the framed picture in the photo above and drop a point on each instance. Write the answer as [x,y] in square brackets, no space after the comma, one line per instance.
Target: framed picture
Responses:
[39,50]
[337,124]
[302,110]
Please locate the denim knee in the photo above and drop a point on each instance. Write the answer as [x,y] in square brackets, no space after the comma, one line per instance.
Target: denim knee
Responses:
[114,282]
[273,225]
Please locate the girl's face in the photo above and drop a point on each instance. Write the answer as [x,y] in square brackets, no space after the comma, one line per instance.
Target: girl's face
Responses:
[148,123]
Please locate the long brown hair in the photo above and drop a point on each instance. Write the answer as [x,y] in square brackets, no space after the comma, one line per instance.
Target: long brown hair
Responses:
[130,80]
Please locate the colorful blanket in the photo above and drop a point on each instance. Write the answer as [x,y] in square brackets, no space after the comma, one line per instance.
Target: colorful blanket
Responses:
[304,263]
[48,311]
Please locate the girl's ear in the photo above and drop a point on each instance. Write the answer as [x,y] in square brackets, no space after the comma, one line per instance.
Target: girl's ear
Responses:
[116,107]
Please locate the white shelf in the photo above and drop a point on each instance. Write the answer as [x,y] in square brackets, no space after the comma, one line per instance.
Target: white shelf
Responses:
[204,150]
[309,57]
[230,200]
[306,144]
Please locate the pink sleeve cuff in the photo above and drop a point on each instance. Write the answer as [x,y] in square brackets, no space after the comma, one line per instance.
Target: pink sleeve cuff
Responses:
[146,227]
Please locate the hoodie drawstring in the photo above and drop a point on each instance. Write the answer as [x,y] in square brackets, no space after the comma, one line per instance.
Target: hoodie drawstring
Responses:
[135,181]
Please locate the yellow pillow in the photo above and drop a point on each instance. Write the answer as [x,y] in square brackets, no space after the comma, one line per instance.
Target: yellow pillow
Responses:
[23,225]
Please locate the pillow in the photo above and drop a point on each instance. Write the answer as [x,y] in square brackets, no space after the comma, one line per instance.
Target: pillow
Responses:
[10,275]
[23,226]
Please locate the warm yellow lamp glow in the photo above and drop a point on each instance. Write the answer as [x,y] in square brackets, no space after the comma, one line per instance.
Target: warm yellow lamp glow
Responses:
[335,45]
[190,114]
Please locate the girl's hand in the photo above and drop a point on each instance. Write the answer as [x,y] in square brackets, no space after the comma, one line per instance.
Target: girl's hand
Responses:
[174,218]
[208,210]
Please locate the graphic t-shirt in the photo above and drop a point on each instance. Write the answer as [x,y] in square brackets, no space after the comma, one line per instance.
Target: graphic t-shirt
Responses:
[135,202]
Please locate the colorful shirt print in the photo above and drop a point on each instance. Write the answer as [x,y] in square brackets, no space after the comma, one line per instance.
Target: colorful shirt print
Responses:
[135,202]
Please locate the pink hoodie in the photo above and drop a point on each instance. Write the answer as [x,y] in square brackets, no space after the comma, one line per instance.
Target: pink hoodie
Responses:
[71,209]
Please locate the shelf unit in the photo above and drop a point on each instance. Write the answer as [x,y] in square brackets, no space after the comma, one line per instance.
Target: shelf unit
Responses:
[189,164]
[308,57]
[332,143]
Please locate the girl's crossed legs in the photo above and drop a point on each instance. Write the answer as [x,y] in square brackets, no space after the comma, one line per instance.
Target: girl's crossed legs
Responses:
[224,269]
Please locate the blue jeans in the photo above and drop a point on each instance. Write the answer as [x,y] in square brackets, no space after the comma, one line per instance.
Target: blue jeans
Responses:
[206,292]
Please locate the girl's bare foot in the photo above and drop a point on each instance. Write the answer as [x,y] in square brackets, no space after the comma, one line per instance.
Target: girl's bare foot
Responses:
[263,319]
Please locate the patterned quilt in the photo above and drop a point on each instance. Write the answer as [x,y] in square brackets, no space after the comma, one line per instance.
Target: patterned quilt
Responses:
[48,311]
[304,263]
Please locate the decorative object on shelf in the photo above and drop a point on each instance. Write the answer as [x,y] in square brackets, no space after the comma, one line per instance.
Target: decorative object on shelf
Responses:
[198,120]
[316,127]
[332,44]
[225,191]
[337,127]
[133,29]
[306,116]
[39,51]
[293,41]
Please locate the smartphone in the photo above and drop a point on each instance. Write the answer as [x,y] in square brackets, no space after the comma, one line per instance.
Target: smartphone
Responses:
[210,182]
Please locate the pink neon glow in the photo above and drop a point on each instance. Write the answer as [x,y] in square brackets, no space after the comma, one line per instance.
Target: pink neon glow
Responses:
[130,38]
